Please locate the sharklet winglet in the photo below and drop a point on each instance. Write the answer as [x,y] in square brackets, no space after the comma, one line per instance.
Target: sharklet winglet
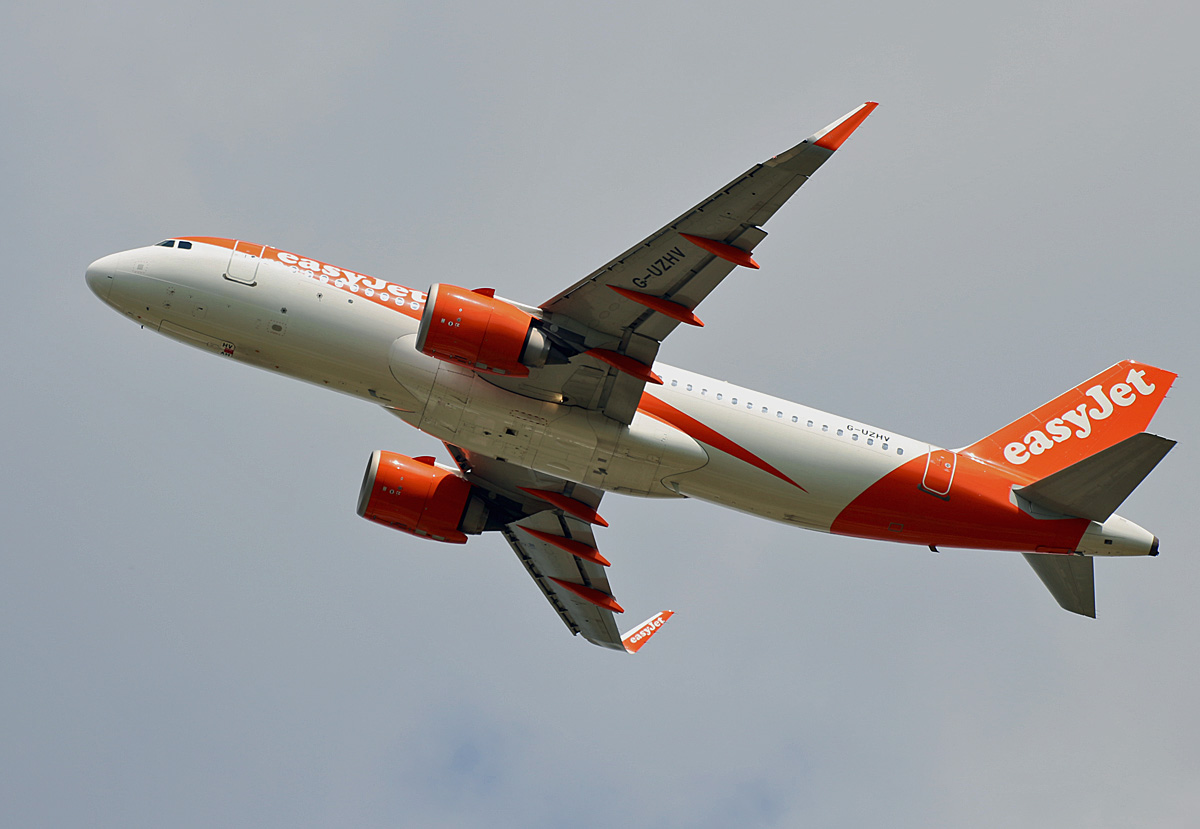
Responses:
[635,638]
[834,135]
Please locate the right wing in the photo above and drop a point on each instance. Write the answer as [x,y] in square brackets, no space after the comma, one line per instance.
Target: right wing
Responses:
[553,539]
[557,572]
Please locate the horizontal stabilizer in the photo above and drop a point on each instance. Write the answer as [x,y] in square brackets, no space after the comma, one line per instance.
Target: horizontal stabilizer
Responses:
[1070,579]
[1094,487]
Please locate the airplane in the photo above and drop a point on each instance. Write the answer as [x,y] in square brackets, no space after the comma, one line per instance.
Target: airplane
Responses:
[546,408]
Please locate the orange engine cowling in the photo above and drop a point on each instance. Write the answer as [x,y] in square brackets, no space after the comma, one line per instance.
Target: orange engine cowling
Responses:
[478,330]
[416,496]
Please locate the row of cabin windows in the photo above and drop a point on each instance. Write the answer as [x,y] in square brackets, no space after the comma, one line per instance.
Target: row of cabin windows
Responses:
[170,243]
[795,419]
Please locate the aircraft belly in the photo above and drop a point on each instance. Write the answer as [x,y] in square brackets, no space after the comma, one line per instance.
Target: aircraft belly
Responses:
[649,456]
[569,442]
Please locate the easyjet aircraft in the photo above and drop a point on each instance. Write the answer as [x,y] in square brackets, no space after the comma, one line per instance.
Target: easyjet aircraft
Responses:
[545,408]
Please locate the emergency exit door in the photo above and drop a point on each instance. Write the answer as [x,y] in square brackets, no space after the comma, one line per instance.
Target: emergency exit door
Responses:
[243,262]
[939,472]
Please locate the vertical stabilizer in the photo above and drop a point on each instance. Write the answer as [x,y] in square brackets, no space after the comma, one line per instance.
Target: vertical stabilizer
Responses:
[1110,407]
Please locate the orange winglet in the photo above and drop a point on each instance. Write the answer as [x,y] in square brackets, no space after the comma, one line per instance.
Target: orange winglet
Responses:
[839,131]
[626,364]
[575,548]
[725,251]
[569,505]
[634,639]
[664,306]
[590,594]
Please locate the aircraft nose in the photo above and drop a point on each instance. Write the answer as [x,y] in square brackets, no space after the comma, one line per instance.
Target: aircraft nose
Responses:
[100,275]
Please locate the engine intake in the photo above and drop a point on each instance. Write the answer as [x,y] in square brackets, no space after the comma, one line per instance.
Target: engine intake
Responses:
[416,496]
[480,331]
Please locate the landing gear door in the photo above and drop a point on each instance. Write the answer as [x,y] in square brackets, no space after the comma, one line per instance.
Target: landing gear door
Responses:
[243,263]
[939,472]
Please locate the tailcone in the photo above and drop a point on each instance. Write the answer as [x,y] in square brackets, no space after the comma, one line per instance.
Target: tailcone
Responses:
[1117,537]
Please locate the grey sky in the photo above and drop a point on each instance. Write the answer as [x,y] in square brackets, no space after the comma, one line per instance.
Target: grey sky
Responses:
[197,629]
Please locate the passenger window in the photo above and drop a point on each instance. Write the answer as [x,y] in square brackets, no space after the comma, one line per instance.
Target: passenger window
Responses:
[734,401]
[839,432]
[720,396]
[703,391]
[810,423]
[795,419]
[779,414]
[674,382]
[689,386]
[854,436]
[185,245]
[899,451]
[885,447]
[825,428]
[764,409]
[749,405]
[870,441]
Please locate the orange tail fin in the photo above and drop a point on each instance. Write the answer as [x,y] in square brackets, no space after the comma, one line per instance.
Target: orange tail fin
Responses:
[1113,405]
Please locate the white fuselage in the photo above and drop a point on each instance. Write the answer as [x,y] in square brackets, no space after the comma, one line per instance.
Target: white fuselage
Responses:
[298,326]
[693,436]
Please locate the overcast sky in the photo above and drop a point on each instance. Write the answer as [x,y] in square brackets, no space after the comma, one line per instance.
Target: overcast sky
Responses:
[197,630]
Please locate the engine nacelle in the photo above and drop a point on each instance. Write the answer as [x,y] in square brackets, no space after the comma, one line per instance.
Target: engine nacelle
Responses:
[417,497]
[480,331]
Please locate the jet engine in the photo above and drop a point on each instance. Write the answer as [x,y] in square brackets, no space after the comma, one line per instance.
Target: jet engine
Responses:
[478,330]
[416,496]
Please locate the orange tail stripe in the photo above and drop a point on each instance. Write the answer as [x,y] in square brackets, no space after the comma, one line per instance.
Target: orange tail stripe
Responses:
[725,251]
[664,306]
[567,504]
[575,548]
[590,594]
[690,426]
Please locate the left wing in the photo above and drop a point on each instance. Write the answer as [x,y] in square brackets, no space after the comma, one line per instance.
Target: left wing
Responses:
[553,539]
[612,322]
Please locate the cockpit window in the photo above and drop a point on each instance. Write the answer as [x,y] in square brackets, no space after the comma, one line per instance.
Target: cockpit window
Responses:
[169,243]
[185,245]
